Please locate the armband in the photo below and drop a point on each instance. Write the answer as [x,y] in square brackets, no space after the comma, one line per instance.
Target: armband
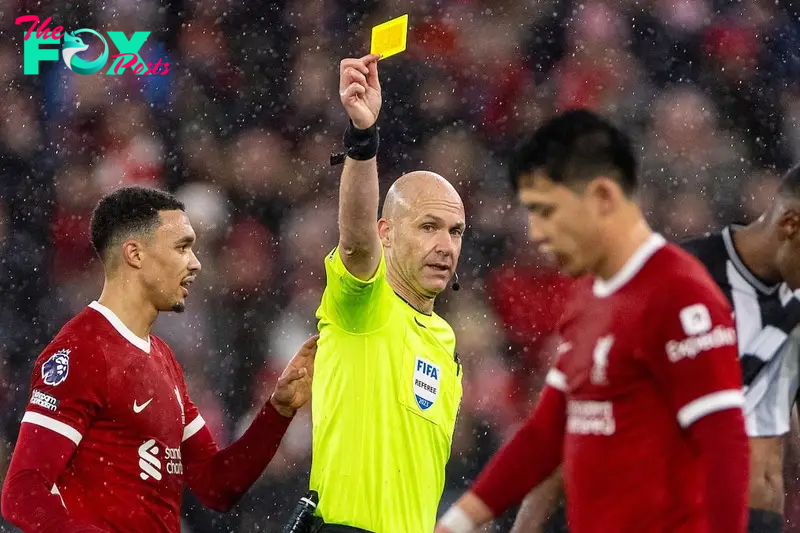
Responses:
[360,145]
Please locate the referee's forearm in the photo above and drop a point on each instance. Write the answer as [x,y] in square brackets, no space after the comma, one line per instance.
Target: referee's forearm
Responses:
[358,205]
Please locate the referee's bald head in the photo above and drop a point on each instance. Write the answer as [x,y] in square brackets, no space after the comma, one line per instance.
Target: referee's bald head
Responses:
[413,191]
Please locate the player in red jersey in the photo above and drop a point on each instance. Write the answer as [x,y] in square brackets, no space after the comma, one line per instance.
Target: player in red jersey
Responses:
[643,407]
[110,437]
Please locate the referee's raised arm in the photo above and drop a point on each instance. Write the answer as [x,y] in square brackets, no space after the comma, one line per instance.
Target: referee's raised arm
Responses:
[360,93]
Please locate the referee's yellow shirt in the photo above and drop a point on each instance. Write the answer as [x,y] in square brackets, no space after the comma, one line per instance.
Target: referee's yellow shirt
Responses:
[386,393]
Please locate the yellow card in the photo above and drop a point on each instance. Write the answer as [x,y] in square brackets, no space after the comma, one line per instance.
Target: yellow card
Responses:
[389,38]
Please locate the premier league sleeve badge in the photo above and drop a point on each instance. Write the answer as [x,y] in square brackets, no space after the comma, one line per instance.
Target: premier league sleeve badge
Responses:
[56,368]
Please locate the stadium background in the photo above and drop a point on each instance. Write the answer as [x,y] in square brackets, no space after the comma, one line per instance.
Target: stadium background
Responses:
[242,126]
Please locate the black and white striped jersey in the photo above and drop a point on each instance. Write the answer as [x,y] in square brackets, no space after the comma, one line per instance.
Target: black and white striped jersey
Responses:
[765,313]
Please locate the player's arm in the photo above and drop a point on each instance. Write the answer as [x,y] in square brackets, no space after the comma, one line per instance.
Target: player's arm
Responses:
[523,463]
[67,391]
[694,359]
[539,505]
[220,477]
[360,93]
[27,499]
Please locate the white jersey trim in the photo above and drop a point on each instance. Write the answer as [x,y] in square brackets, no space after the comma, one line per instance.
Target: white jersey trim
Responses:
[603,289]
[710,403]
[556,379]
[61,428]
[733,255]
[193,427]
[55,491]
[122,329]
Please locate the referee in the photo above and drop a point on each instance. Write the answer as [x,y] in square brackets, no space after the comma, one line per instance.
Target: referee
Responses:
[387,384]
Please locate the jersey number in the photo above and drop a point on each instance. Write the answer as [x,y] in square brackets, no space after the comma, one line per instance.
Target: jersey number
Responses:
[600,359]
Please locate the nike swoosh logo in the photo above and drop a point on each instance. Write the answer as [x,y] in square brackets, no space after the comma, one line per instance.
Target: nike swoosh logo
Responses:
[139,408]
[419,323]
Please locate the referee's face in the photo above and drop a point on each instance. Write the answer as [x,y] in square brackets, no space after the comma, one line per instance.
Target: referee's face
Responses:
[426,244]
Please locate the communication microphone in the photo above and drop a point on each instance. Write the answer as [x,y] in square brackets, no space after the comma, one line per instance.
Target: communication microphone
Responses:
[456,284]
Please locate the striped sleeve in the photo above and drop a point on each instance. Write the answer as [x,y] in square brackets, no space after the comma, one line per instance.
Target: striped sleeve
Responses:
[762,337]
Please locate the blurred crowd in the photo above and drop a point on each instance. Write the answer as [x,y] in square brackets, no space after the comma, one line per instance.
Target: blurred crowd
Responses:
[241,129]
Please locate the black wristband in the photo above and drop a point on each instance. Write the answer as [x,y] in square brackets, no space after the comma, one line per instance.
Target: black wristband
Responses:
[761,521]
[360,145]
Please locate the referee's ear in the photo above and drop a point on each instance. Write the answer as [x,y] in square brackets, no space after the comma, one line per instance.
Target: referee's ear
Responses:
[384,232]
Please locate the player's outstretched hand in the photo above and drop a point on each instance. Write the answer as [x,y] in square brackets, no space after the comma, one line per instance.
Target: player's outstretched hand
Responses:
[293,389]
[360,90]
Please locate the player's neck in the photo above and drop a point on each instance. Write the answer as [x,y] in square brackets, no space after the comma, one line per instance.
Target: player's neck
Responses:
[631,233]
[756,250]
[404,291]
[129,306]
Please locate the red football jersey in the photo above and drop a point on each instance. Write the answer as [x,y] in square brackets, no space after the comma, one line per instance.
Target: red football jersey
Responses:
[643,356]
[122,400]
